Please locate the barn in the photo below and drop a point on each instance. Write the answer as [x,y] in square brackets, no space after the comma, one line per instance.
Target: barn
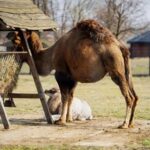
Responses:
[140,45]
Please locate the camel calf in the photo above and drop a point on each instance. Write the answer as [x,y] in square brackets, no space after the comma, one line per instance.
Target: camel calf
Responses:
[80,108]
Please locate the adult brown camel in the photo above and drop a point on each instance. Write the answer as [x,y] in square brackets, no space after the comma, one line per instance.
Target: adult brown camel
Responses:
[86,54]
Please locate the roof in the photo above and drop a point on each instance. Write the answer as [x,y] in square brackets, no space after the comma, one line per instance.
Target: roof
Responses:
[25,15]
[142,38]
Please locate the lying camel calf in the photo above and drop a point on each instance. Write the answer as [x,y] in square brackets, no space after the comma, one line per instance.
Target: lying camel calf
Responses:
[80,108]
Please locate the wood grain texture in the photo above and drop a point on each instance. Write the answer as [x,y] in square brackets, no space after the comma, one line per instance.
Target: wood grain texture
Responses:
[3,115]
[25,15]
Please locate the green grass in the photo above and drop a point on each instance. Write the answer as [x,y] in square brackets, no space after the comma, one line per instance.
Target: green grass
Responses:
[25,68]
[140,66]
[146,142]
[104,97]
[55,147]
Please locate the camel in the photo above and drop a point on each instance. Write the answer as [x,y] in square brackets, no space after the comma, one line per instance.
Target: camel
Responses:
[86,54]
[81,110]
[54,101]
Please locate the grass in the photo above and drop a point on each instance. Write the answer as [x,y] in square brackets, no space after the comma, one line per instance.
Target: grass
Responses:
[146,142]
[52,147]
[104,97]
[140,66]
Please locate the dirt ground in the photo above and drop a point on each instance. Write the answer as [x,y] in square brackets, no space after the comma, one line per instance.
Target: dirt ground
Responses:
[33,130]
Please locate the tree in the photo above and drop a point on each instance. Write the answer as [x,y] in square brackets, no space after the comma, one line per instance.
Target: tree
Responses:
[81,9]
[122,16]
[42,4]
[66,13]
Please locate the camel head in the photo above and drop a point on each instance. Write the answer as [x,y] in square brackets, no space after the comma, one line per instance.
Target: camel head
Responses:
[52,91]
[41,56]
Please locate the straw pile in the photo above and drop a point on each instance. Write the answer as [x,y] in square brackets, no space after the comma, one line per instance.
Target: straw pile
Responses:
[10,66]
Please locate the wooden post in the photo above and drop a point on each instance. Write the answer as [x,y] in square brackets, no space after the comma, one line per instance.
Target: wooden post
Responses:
[3,115]
[37,81]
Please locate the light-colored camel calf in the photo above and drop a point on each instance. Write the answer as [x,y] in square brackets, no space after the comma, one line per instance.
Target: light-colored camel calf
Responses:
[80,108]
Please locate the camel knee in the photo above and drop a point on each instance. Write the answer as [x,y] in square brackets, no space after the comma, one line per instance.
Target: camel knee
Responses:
[120,80]
[129,103]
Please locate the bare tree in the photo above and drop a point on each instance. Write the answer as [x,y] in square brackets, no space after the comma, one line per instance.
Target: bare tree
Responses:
[66,13]
[122,16]
[42,4]
[81,9]
[72,12]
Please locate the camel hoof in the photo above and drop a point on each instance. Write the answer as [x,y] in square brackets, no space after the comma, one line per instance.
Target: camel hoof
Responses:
[69,120]
[131,125]
[60,122]
[123,126]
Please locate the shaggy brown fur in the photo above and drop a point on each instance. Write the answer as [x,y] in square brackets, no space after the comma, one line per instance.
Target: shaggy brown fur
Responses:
[32,37]
[86,54]
[34,41]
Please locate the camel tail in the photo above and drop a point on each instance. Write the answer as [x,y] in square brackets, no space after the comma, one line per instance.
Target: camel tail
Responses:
[126,54]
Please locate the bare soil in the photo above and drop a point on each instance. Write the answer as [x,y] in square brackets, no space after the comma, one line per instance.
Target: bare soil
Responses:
[33,130]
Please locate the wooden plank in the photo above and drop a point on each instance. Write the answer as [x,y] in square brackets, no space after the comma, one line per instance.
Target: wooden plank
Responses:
[15,52]
[17,2]
[37,82]
[24,14]
[29,24]
[20,10]
[3,115]
[23,95]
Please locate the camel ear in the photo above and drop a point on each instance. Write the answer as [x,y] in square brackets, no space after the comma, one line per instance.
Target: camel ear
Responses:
[47,92]
[36,42]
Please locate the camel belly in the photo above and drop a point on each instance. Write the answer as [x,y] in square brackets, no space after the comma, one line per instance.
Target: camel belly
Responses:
[84,61]
[89,70]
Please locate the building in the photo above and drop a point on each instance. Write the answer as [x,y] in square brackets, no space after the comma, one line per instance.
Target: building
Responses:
[140,45]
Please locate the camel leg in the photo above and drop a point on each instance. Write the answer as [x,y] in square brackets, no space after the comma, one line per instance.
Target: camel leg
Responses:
[69,112]
[66,85]
[134,105]
[120,80]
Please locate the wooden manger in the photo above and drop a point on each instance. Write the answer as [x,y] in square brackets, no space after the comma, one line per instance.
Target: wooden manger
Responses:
[21,16]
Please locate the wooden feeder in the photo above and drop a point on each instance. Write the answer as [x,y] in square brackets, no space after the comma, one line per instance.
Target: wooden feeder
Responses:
[23,15]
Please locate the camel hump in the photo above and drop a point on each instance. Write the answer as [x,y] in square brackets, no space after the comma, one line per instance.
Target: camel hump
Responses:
[95,31]
[88,25]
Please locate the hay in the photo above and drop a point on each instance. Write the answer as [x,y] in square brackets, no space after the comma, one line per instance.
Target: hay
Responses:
[10,66]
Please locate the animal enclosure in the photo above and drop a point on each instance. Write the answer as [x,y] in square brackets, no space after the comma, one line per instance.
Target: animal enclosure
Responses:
[21,19]
[28,128]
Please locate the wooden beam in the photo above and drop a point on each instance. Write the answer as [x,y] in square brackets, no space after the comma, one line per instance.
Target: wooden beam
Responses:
[37,81]
[15,52]
[3,115]
[23,95]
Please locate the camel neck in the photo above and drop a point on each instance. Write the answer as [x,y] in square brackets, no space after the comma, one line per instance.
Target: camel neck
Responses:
[43,61]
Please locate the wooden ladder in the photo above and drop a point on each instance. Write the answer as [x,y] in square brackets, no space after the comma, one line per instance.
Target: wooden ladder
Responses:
[38,85]
[3,115]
